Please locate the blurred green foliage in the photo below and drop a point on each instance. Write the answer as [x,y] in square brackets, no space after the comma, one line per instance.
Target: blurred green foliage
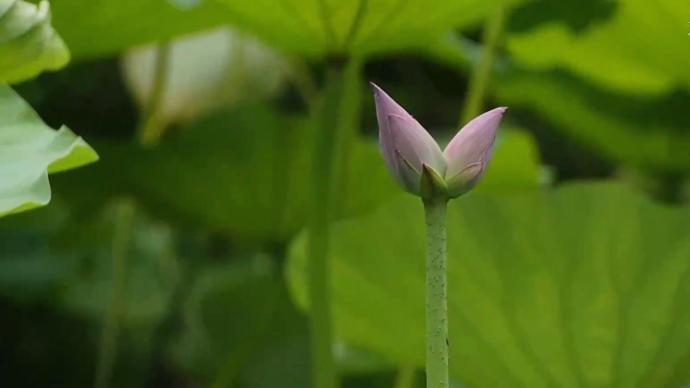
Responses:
[649,133]
[635,51]
[580,285]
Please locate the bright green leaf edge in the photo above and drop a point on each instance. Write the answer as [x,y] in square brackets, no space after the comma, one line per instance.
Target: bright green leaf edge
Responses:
[29,151]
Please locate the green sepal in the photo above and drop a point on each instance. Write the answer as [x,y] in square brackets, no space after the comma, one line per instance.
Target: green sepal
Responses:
[432,185]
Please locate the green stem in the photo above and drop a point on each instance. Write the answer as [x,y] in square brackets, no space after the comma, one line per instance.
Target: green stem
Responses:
[150,129]
[479,80]
[336,118]
[405,378]
[436,295]
[124,214]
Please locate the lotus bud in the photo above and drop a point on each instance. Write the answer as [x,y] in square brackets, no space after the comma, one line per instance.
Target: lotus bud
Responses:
[469,152]
[406,146]
[415,160]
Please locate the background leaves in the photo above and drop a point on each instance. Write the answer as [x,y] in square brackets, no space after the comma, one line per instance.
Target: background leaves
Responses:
[106,27]
[581,286]
[634,51]
[245,173]
[649,133]
[311,28]
[584,285]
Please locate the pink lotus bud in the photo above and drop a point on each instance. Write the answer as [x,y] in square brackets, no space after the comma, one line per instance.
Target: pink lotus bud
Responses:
[468,154]
[415,159]
[406,146]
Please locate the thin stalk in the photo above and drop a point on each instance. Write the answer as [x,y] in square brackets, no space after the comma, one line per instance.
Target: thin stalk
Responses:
[336,117]
[150,129]
[436,295]
[124,214]
[479,80]
[405,377]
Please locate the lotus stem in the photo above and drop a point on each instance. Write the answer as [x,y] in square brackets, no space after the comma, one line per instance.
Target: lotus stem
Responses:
[436,295]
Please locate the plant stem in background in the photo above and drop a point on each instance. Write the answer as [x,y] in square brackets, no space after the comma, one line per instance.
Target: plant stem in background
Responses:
[124,214]
[150,130]
[335,119]
[436,295]
[479,80]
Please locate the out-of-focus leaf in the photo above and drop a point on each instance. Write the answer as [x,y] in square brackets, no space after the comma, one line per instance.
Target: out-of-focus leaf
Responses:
[150,266]
[577,15]
[93,28]
[587,285]
[636,50]
[356,26]
[307,27]
[242,330]
[29,150]
[205,71]
[57,270]
[28,269]
[70,263]
[244,173]
[28,43]
[652,133]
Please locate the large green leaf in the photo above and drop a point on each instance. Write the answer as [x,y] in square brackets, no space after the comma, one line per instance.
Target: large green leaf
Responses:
[586,285]
[356,26]
[28,43]
[241,329]
[94,28]
[308,27]
[651,133]
[29,150]
[624,53]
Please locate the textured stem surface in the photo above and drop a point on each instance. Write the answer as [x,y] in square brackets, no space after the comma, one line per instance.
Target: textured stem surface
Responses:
[436,295]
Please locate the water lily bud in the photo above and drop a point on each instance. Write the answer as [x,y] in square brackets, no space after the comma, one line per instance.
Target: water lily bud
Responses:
[468,154]
[406,146]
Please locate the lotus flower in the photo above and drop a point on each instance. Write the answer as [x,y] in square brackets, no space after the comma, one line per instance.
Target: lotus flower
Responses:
[411,153]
